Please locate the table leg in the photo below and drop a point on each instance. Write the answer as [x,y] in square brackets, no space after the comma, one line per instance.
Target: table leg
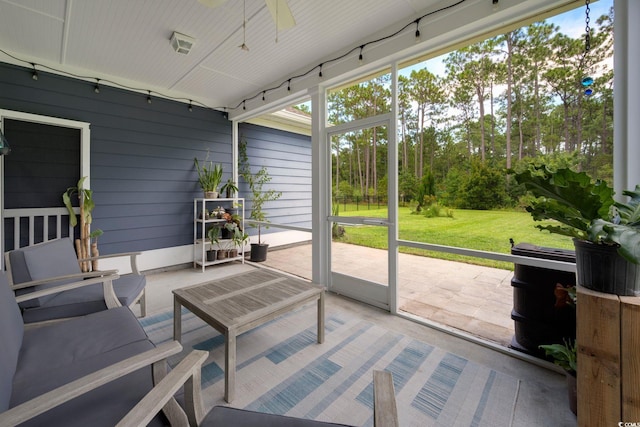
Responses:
[177,320]
[230,366]
[321,318]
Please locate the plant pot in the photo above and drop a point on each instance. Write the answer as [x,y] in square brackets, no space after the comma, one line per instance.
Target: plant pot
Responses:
[233,253]
[211,255]
[225,233]
[259,252]
[222,254]
[210,194]
[572,392]
[601,268]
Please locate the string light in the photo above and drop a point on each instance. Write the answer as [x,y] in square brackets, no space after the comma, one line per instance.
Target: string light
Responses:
[96,88]
[190,108]
[288,81]
[418,29]
[244,107]
[360,56]
[263,95]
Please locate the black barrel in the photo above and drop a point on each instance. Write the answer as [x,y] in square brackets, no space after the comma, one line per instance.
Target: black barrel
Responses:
[537,319]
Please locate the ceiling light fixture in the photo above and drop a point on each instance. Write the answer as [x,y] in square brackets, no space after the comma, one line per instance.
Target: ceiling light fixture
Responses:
[244,46]
[181,43]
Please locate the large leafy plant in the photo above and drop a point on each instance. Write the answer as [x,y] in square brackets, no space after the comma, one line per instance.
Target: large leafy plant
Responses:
[209,176]
[584,209]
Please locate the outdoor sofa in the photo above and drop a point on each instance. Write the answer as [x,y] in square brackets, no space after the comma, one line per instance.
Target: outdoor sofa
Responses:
[54,263]
[86,371]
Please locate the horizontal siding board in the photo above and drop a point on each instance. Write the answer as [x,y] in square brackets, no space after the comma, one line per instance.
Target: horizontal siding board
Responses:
[142,170]
[287,157]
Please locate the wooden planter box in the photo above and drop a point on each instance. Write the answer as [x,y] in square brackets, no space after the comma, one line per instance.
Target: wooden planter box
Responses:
[608,337]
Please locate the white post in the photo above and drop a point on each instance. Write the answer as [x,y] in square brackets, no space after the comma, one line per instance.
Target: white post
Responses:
[626,126]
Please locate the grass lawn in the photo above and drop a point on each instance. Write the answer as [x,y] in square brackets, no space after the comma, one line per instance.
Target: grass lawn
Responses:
[482,230]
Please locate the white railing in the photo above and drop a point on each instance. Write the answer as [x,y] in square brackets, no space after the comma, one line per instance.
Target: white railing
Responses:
[34,228]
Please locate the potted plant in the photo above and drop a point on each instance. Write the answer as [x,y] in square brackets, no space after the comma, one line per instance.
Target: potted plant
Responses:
[259,197]
[85,247]
[209,178]
[238,237]
[212,233]
[565,356]
[606,233]
[229,188]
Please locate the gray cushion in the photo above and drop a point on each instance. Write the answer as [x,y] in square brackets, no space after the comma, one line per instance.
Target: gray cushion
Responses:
[11,332]
[20,274]
[223,416]
[86,300]
[60,344]
[48,259]
[102,407]
[57,353]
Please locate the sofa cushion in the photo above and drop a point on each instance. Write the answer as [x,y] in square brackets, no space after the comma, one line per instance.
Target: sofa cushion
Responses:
[102,407]
[11,332]
[48,259]
[56,345]
[86,300]
[226,416]
[55,354]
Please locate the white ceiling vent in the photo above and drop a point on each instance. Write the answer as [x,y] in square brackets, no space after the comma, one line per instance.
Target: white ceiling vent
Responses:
[181,43]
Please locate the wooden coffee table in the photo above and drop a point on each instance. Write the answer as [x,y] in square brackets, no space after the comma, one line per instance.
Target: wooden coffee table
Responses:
[239,303]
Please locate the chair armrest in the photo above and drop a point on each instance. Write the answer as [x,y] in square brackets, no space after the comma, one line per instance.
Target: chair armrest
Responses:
[133,256]
[110,298]
[48,280]
[60,395]
[186,373]
[385,412]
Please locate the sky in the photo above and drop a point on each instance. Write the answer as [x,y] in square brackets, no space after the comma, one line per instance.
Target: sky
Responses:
[571,23]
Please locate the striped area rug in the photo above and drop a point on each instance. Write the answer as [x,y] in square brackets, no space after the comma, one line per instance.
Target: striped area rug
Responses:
[282,369]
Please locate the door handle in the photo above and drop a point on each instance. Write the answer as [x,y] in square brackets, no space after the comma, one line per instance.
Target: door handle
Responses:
[375,222]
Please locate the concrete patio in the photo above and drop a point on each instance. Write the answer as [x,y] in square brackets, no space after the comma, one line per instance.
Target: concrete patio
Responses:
[474,299]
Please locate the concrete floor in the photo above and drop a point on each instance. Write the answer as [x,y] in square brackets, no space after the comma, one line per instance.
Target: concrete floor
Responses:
[542,395]
[477,300]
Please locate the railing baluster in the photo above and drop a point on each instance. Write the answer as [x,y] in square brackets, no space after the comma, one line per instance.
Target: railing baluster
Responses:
[30,214]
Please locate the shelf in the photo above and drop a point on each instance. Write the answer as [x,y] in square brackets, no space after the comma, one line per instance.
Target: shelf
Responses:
[211,221]
[201,242]
[218,261]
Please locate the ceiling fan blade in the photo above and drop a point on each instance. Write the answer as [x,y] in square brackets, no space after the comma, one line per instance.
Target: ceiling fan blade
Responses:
[212,3]
[281,14]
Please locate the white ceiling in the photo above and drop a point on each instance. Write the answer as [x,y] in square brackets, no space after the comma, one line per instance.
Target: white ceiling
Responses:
[128,40]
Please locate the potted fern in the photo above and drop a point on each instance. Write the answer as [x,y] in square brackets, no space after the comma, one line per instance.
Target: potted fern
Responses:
[209,178]
[606,233]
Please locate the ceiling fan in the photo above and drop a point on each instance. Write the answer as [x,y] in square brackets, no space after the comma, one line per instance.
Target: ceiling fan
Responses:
[279,9]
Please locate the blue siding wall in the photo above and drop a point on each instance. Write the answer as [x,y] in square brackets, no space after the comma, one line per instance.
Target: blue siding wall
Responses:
[287,157]
[142,171]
